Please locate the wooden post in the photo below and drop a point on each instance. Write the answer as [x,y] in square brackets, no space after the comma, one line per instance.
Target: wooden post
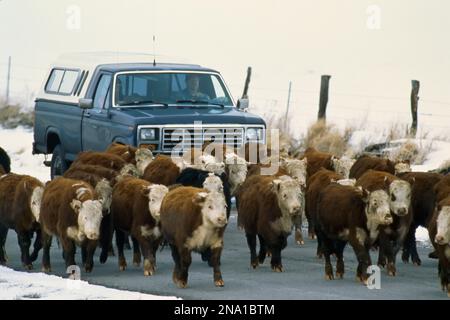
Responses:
[247,83]
[8,79]
[323,101]
[414,105]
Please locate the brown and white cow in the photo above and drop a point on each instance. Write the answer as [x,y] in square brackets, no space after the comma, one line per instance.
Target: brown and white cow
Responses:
[236,170]
[20,200]
[392,236]
[365,162]
[193,219]
[143,158]
[423,201]
[70,210]
[343,165]
[266,207]
[104,159]
[317,160]
[135,209]
[162,170]
[439,230]
[349,214]
[126,152]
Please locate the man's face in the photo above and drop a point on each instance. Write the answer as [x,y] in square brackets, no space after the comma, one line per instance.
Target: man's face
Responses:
[192,84]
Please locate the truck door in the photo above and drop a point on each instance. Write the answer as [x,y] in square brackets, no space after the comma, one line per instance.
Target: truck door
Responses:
[96,133]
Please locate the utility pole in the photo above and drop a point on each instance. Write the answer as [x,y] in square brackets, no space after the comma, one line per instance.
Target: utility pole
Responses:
[323,100]
[8,79]
[414,105]
[287,106]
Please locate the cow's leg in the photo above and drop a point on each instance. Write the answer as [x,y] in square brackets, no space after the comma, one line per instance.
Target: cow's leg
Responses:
[3,235]
[90,246]
[297,221]
[146,245]
[326,248]
[206,256]
[46,243]
[364,261]
[262,249]
[177,261]
[384,249]
[106,233]
[251,241]
[136,252]
[120,238]
[185,262]
[126,242]
[24,241]
[215,261]
[340,269]
[414,254]
[407,244]
[69,251]
[320,250]
[37,246]
[275,262]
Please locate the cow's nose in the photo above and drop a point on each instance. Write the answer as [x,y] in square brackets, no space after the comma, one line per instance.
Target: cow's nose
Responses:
[92,235]
[402,211]
[295,209]
[388,218]
[439,239]
[222,220]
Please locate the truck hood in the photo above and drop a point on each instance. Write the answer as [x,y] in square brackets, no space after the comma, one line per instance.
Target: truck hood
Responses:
[187,115]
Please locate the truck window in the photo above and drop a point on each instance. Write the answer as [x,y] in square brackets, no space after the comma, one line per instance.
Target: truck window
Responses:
[62,81]
[102,91]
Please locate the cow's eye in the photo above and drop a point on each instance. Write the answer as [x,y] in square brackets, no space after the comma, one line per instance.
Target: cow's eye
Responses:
[393,198]
[284,196]
[210,207]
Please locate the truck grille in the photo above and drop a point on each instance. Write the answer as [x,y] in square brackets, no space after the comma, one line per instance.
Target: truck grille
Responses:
[189,138]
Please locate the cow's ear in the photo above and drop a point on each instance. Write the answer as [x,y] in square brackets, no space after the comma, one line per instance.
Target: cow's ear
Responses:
[386,181]
[439,207]
[200,198]
[146,191]
[76,205]
[276,184]
[365,195]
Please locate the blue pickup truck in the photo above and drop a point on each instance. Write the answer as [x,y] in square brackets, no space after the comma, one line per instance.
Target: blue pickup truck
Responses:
[89,101]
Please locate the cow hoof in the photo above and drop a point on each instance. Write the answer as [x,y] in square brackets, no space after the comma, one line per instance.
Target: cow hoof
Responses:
[219,283]
[136,260]
[391,273]
[329,277]
[417,263]
[136,264]
[255,265]
[122,268]
[46,269]
[180,283]
[268,254]
[28,266]
[339,275]
[88,269]
[277,268]
[300,242]
[148,273]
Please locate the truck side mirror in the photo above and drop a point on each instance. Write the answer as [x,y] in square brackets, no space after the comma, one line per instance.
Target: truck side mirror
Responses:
[243,103]
[85,103]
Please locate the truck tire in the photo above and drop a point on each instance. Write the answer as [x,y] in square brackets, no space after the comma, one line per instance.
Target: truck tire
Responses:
[58,165]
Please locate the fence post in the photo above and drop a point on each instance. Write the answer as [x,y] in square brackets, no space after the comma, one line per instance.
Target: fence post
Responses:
[8,79]
[323,101]
[414,105]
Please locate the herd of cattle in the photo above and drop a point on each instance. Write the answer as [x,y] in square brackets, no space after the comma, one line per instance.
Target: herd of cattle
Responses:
[185,202]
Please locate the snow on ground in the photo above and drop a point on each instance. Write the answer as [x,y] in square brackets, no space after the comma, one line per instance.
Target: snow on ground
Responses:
[16,285]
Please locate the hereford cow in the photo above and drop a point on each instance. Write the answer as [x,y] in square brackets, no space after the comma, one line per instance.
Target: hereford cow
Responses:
[126,152]
[266,206]
[193,219]
[392,236]
[5,162]
[236,170]
[315,184]
[317,160]
[162,170]
[107,160]
[143,158]
[423,200]
[442,188]
[20,199]
[70,210]
[349,214]
[364,163]
[135,210]
[343,166]
[439,230]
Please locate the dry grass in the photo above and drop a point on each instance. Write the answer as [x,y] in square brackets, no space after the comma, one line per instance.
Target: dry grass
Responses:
[412,152]
[12,116]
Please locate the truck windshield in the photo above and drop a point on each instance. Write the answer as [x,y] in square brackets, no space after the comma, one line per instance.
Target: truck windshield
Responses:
[147,89]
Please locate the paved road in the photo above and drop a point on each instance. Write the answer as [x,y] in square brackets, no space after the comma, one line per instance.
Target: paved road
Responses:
[302,279]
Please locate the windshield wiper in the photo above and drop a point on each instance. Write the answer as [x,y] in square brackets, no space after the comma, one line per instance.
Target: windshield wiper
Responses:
[144,102]
[201,102]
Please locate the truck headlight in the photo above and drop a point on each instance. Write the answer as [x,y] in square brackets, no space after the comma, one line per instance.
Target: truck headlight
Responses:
[147,134]
[255,134]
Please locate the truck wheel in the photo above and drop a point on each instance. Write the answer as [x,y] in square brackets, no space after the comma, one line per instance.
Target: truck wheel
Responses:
[59,165]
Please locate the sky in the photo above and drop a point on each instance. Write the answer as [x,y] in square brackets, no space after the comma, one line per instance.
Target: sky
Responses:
[372,49]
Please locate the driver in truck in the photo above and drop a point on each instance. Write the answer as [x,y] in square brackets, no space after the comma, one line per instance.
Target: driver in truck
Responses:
[192,89]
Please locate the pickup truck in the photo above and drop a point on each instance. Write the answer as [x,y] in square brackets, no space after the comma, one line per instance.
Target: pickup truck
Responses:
[89,101]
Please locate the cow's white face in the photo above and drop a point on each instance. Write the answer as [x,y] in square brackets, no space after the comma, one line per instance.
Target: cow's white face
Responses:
[297,169]
[342,166]
[104,191]
[400,194]
[89,217]
[156,194]
[289,195]
[402,167]
[35,202]
[215,167]
[237,170]
[377,208]
[213,183]
[443,226]
[143,158]
[213,208]
[347,182]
